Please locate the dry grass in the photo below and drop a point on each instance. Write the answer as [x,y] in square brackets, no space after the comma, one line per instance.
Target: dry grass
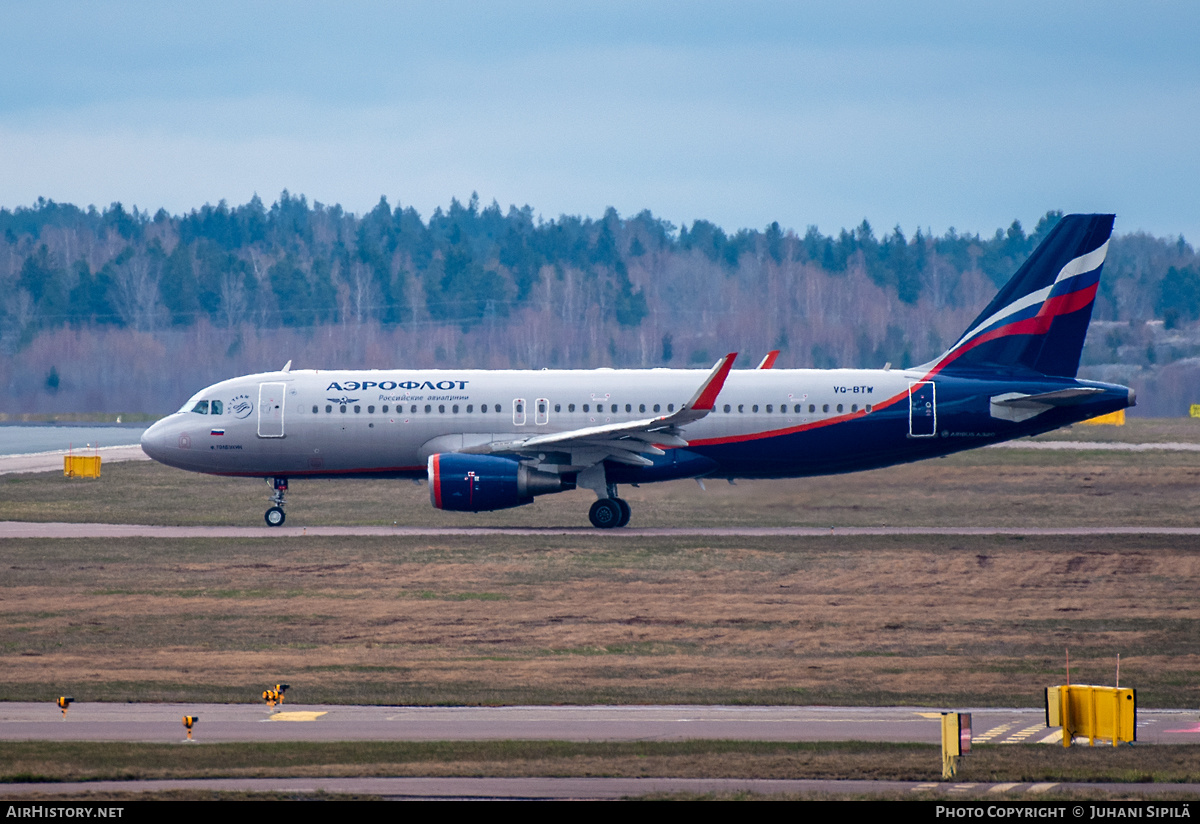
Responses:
[599,617]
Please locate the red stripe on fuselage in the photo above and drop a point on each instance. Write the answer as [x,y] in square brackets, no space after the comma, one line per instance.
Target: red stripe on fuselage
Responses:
[804,427]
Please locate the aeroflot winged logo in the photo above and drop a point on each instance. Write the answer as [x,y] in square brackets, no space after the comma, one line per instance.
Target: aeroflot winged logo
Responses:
[352,386]
[241,407]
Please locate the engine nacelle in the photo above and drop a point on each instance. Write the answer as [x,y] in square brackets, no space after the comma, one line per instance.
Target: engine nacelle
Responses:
[481,483]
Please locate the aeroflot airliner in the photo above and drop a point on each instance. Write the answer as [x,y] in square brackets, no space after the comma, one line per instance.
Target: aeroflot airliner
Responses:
[490,440]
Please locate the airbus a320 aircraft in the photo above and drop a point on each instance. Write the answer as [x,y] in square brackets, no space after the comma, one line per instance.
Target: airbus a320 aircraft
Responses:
[489,440]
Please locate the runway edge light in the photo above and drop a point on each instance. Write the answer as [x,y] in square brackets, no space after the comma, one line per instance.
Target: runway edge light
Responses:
[188,721]
[64,703]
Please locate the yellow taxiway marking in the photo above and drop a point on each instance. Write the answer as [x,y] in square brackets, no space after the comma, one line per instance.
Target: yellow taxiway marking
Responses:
[296,716]
[1020,736]
[993,732]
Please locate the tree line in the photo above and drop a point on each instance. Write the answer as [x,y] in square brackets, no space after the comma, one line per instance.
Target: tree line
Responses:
[480,286]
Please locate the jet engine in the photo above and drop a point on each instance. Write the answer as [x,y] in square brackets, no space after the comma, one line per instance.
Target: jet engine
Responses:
[481,483]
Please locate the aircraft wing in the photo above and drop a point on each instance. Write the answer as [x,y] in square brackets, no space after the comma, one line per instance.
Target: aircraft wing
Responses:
[628,441]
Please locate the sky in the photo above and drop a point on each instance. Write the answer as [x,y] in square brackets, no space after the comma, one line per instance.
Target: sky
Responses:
[918,115]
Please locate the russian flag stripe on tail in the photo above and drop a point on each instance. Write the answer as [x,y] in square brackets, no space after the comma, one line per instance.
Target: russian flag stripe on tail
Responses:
[1039,320]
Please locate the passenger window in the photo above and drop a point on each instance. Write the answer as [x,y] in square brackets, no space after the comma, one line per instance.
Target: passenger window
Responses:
[853,407]
[586,408]
[839,407]
[483,408]
[812,407]
[558,407]
[412,411]
[868,407]
[201,407]
[518,411]
[497,407]
[441,409]
[641,407]
[657,407]
[371,410]
[754,408]
[741,407]
[343,409]
[385,408]
[796,409]
[825,407]
[454,409]
[217,407]
[470,408]
[628,407]
[728,407]
[357,409]
[670,407]
[770,408]
[428,409]
[570,407]
[314,409]
[328,408]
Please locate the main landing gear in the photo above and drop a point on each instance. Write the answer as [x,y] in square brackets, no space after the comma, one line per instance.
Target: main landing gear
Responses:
[274,516]
[610,512]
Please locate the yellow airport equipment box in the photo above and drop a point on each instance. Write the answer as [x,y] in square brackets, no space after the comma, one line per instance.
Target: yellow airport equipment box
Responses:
[956,741]
[1112,418]
[81,466]
[1194,410]
[1093,712]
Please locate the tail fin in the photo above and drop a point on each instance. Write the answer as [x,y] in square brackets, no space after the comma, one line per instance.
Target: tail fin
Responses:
[1040,318]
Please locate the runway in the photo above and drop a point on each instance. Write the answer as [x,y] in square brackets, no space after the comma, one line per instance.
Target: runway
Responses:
[26,529]
[163,723]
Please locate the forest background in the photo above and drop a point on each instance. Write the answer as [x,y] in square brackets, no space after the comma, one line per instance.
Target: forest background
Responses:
[123,311]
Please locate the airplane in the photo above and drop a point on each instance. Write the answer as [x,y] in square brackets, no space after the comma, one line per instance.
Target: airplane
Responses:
[489,440]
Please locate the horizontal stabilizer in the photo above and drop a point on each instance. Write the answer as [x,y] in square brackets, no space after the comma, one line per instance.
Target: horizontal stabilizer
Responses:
[1017,406]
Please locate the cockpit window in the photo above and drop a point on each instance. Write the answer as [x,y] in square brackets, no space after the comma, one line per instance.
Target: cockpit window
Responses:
[217,408]
[201,407]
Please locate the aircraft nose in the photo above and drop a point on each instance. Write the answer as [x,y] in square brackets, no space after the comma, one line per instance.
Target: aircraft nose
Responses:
[154,440]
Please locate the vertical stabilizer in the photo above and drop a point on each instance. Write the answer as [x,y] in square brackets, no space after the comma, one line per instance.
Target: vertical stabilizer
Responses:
[1039,319]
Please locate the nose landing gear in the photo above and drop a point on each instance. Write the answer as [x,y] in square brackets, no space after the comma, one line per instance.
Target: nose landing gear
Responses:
[275,515]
